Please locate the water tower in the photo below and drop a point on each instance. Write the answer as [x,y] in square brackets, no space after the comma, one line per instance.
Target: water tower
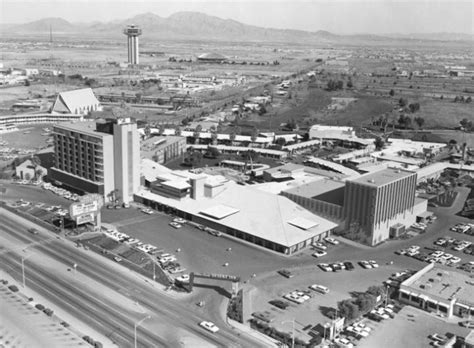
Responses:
[132,32]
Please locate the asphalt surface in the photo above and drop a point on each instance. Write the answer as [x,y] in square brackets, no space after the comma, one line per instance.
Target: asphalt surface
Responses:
[106,319]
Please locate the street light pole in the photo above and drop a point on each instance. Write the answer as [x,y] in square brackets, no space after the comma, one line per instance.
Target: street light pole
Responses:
[135,329]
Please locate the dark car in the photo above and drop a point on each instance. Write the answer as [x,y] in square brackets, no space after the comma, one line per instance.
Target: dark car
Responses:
[468,323]
[349,265]
[13,288]
[285,273]
[279,303]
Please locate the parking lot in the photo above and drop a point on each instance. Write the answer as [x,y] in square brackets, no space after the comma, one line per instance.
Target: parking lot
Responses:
[198,251]
[388,332]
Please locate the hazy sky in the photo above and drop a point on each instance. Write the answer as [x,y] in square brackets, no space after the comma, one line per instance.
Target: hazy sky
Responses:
[338,16]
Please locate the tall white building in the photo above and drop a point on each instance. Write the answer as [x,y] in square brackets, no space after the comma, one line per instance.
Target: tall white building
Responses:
[126,148]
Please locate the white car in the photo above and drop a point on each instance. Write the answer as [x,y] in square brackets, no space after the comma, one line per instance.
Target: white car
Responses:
[454,259]
[365,264]
[446,256]
[325,267]
[179,220]
[373,264]
[331,241]
[147,211]
[319,245]
[437,253]
[319,288]
[175,224]
[414,247]
[209,326]
[319,253]
[184,278]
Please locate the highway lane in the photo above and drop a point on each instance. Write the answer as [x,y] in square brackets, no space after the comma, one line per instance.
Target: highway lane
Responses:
[173,312]
[105,317]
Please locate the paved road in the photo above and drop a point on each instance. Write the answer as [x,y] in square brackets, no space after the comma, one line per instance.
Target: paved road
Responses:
[173,313]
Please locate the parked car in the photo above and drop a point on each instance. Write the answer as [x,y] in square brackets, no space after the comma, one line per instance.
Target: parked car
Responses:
[319,288]
[467,323]
[325,267]
[209,326]
[285,273]
[319,253]
[147,211]
[437,337]
[175,225]
[349,265]
[319,245]
[373,263]
[331,241]
[365,264]
[179,220]
[280,304]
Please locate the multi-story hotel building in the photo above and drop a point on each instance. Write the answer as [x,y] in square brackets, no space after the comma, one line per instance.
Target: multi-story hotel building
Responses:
[375,202]
[100,157]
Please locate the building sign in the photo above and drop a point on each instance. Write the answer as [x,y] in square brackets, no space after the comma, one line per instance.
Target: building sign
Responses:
[227,277]
[84,218]
[79,208]
[87,204]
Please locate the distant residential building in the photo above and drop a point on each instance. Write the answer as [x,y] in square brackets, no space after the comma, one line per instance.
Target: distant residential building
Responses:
[211,58]
[27,170]
[102,157]
[79,101]
[22,119]
[162,149]
[346,135]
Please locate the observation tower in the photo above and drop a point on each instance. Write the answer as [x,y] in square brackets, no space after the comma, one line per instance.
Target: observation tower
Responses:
[132,32]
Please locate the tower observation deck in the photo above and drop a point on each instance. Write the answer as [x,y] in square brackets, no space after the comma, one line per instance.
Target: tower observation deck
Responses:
[132,32]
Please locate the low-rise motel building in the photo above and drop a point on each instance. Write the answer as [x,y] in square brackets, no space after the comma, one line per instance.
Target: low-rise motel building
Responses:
[440,289]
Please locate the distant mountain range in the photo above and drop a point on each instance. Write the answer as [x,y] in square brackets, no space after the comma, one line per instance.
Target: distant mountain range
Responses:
[199,26]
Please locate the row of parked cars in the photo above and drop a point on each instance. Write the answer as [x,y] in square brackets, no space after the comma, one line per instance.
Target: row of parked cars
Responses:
[321,248]
[463,228]
[300,296]
[436,256]
[455,244]
[60,191]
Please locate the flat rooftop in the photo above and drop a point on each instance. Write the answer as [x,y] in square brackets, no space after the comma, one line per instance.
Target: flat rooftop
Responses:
[316,188]
[444,282]
[382,177]
[85,127]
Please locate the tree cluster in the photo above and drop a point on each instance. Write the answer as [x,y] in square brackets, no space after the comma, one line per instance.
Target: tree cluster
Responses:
[404,121]
[467,124]
[360,303]
[461,99]
[414,107]
[334,85]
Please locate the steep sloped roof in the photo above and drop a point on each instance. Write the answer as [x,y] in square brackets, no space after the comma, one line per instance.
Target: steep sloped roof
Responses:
[71,101]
